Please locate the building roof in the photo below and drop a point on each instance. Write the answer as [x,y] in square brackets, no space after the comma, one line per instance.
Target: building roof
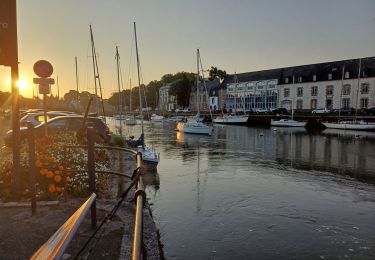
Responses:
[306,72]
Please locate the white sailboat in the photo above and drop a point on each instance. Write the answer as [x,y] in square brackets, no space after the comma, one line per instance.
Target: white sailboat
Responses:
[234,119]
[288,122]
[149,155]
[195,125]
[157,118]
[354,124]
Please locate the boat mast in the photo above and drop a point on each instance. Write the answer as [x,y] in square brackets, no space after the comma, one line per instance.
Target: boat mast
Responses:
[119,90]
[292,98]
[235,93]
[205,88]
[96,73]
[75,58]
[139,85]
[356,100]
[342,86]
[198,97]
[94,69]
[130,101]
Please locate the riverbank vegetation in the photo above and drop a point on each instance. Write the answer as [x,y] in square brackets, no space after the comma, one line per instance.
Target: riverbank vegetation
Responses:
[49,173]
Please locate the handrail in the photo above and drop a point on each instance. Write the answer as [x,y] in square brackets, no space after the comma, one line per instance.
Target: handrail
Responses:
[55,247]
[138,224]
[140,197]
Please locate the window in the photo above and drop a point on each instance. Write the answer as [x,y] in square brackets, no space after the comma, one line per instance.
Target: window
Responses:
[346,89]
[299,92]
[300,79]
[364,102]
[299,104]
[329,90]
[365,88]
[313,103]
[58,123]
[345,102]
[286,80]
[314,91]
[286,92]
[347,74]
[314,77]
[329,76]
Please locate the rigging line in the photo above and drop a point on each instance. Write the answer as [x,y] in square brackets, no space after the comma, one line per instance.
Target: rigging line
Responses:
[96,72]
[205,87]
[111,214]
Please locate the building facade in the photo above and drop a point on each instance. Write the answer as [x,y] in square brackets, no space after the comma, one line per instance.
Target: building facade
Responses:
[166,102]
[207,89]
[334,85]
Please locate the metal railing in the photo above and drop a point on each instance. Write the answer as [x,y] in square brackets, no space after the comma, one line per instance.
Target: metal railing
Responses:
[140,196]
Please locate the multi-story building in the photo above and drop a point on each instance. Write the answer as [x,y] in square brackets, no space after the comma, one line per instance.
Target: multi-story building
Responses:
[338,84]
[166,102]
[206,89]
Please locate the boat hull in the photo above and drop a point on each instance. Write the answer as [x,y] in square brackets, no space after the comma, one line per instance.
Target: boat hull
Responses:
[351,126]
[231,120]
[194,128]
[288,123]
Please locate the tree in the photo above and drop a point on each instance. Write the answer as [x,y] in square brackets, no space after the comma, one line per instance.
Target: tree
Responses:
[216,73]
[181,87]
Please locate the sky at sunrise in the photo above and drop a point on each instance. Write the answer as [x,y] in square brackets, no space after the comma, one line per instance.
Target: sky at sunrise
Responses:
[237,36]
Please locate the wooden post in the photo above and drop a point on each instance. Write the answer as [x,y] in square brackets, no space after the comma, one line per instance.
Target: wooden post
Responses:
[91,170]
[32,172]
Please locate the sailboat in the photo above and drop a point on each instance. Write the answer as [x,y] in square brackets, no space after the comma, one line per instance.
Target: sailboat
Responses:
[149,155]
[195,125]
[288,122]
[234,119]
[351,125]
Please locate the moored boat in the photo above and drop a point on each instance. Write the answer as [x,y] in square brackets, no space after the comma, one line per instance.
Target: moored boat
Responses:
[231,119]
[351,125]
[288,123]
[195,125]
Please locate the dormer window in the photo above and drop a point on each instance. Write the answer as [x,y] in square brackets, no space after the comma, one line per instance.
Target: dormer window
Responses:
[300,79]
[347,74]
[329,76]
[314,77]
[286,80]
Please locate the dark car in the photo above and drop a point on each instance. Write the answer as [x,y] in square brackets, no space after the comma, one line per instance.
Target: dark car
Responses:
[63,124]
[344,110]
[281,111]
[368,111]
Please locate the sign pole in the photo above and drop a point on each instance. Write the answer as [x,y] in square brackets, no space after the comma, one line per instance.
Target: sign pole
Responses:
[16,132]
[45,113]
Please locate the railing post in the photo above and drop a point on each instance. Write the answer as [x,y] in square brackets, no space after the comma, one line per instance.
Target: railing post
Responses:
[140,197]
[91,170]
[31,140]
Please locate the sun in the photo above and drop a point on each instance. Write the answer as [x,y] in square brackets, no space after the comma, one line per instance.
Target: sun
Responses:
[23,85]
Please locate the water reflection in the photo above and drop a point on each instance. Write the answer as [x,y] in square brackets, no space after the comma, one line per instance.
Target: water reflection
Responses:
[241,194]
[338,151]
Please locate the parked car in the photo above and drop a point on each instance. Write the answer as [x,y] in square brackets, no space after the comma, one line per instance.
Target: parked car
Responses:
[368,111]
[281,111]
[63,124]
[178,110]
[344,110]
[186,110]
[321,110]
[262,110]
[37,118]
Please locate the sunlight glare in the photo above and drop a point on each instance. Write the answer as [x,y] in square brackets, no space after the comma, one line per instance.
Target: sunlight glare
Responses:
[22,84]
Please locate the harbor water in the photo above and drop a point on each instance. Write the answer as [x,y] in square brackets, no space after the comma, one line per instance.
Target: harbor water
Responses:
[263,193]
